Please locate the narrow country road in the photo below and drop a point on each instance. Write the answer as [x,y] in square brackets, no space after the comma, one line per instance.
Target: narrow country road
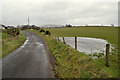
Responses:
[31,60]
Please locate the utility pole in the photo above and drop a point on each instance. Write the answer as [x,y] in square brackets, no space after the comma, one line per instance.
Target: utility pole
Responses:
[28,20]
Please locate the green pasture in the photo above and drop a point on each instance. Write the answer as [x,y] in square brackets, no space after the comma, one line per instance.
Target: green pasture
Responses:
[108,33]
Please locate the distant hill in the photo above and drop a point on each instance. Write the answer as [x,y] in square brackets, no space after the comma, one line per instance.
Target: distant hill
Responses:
[51,25]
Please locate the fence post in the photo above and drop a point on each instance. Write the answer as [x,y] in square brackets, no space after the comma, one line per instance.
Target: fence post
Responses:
[76,43]
[58,39]
[107,55]
[14,32]
[63,40]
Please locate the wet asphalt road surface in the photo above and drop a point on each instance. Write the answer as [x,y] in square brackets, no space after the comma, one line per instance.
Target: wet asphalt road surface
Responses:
[28,61]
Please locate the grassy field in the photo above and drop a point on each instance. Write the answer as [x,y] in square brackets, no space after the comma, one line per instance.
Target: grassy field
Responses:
[10,43]
[75,64]
[108,33]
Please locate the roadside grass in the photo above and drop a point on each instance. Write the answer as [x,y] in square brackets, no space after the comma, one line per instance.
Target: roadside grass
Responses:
[10,43]
[108,33]
[74,64]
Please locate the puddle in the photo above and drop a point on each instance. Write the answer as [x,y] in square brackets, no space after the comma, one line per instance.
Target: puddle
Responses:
[26,42]
[39,44]
[87,45]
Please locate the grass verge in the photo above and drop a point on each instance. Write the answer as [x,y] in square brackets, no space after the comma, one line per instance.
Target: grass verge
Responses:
[75,64]
[10,43]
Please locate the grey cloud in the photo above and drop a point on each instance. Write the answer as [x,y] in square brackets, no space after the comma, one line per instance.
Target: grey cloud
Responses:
[76,13]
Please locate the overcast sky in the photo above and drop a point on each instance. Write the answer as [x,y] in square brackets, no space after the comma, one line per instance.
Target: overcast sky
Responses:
[14,12]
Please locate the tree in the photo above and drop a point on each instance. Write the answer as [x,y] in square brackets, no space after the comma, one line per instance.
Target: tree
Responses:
[68,25]
[18,26]
[42,30]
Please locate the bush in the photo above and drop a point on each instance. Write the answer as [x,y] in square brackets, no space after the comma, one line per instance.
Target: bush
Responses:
[14,32]
[94,54]
[37,28]
[47,33]
[4,31]
[10,31]
[17,32]
[42,30]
